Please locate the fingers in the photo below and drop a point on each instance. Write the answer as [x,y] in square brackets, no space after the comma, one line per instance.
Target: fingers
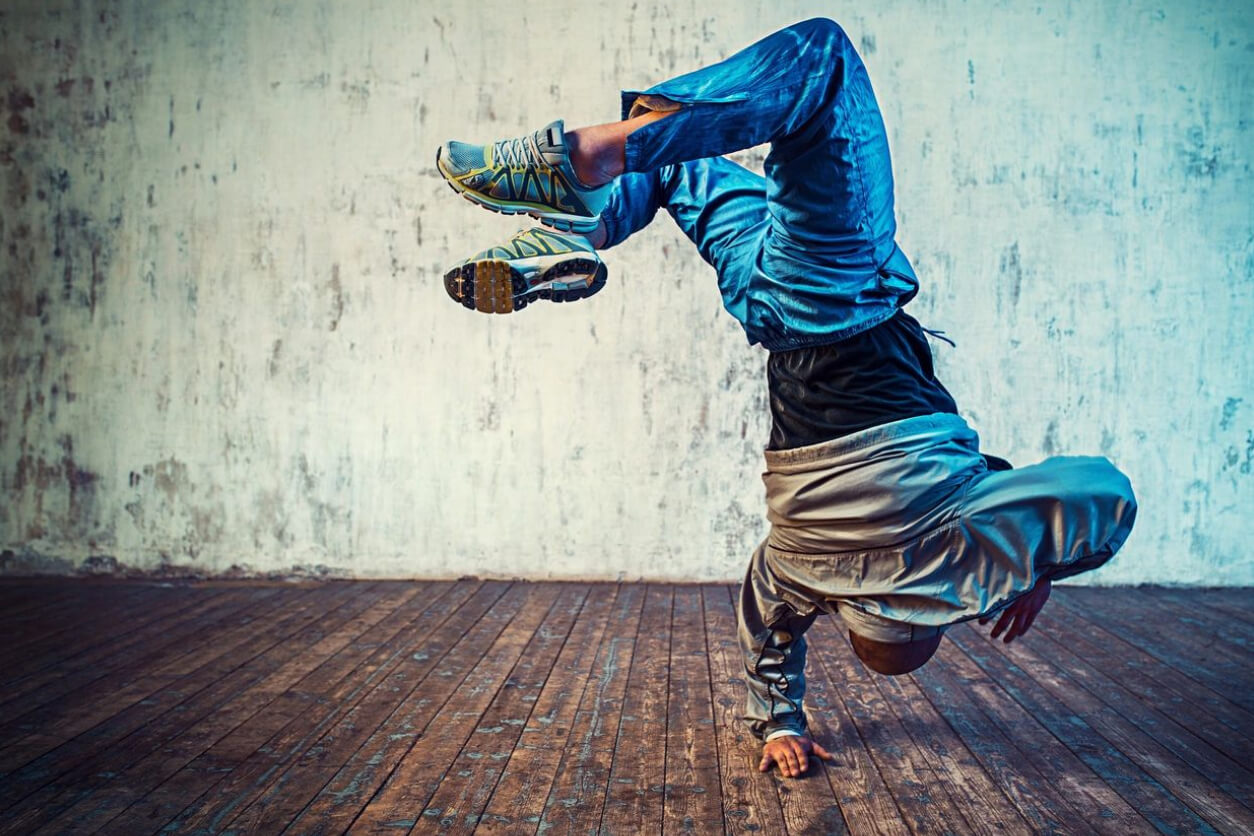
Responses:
[1007,618]
[781,753]
[1040,597]
[1031,619]
[1023,623]
[794,758]
[1021,614]
[772,755]
[822,753]
[1013,633]
[792,755]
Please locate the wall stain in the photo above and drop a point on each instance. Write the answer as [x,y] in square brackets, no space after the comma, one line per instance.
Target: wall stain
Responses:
[169,476]
[337,297]
[53,480]
[1011,270]
[272,365]
[1049,444]
[1200,159]
[18,102]
[1231,405]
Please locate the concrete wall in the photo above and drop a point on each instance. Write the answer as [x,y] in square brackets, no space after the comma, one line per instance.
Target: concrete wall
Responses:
[226,344]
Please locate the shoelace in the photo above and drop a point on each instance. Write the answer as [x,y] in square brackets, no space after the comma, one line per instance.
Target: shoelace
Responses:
[515,153]
[940,335]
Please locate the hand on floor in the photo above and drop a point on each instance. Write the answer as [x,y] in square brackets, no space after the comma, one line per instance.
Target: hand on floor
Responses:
[792,754]
[1020,614]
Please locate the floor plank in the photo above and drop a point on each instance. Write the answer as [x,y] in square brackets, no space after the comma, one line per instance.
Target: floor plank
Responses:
[509,707]
[920,795]
[989,728]
[175,739]
[1207,714]
[1165,766]
[193,697]
[255,719]
[633,797]
[353,755]
[479,734]
[120,643]
[1187,650]
[518,799]
[750,804]
[85,721]
[34,632]
[1232,775]
[1154,801]
[691,796]
[440,732]
[957,774]
[577,794]
[1214,618]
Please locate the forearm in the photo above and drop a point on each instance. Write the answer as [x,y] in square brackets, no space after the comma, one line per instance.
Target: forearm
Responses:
[775,679]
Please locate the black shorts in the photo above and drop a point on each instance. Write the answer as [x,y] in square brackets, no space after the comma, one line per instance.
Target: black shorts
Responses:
[880,375]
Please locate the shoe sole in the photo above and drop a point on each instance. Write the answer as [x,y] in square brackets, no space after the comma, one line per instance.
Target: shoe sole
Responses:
[566,223]
[494,285]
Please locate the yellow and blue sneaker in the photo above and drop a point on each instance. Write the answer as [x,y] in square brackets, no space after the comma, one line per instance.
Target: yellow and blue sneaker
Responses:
[535,263]
[528,174]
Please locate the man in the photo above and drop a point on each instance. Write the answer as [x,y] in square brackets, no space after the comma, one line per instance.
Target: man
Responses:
[882,509]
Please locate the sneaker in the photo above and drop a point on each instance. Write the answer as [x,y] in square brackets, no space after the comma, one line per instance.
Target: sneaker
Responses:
[536,263]
[530,174]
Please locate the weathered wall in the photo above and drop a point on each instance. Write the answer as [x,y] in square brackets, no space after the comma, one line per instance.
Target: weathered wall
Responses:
[226,344]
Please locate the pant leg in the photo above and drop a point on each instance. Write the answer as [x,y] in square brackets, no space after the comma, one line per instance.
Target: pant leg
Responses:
[718,204]
[824,264]
[773,615]
[805,90]
[1012,528]
[906,528]
[1052,520]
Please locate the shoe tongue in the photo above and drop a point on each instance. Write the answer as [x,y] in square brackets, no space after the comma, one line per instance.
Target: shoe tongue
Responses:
[551,142]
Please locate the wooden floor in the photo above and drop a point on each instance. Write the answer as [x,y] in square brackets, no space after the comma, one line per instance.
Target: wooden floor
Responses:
[496,707]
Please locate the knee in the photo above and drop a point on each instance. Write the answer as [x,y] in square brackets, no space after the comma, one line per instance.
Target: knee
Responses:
[1113,479]
[817,43]
[1113,490]
[821,30]
[1099,501]
[894,659]
[1090,483]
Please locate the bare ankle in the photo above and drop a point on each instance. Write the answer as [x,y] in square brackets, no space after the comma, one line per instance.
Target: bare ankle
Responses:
[591,156]
[597,237]
[598,154]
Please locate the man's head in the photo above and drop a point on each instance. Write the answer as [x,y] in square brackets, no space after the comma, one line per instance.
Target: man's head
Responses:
[894,658]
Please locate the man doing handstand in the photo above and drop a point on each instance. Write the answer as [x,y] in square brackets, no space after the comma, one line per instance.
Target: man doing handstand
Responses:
[883,510]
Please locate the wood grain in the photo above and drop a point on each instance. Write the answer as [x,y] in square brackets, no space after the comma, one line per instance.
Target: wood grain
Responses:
[514,708]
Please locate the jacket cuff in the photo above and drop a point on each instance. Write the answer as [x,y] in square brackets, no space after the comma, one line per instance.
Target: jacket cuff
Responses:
[781,733]
[795,724]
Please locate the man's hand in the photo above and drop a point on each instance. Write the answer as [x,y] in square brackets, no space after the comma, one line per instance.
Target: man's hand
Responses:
[792,754]
[1020,614]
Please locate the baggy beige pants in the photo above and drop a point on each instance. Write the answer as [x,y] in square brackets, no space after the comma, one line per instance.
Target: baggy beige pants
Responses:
[902,530]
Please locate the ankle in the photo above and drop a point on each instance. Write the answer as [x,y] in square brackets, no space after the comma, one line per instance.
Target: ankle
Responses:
[591,157]
[597,236]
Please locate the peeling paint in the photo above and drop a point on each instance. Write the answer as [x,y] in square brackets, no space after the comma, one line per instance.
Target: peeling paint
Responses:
[1231,405]
[336,289]
[226,349]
